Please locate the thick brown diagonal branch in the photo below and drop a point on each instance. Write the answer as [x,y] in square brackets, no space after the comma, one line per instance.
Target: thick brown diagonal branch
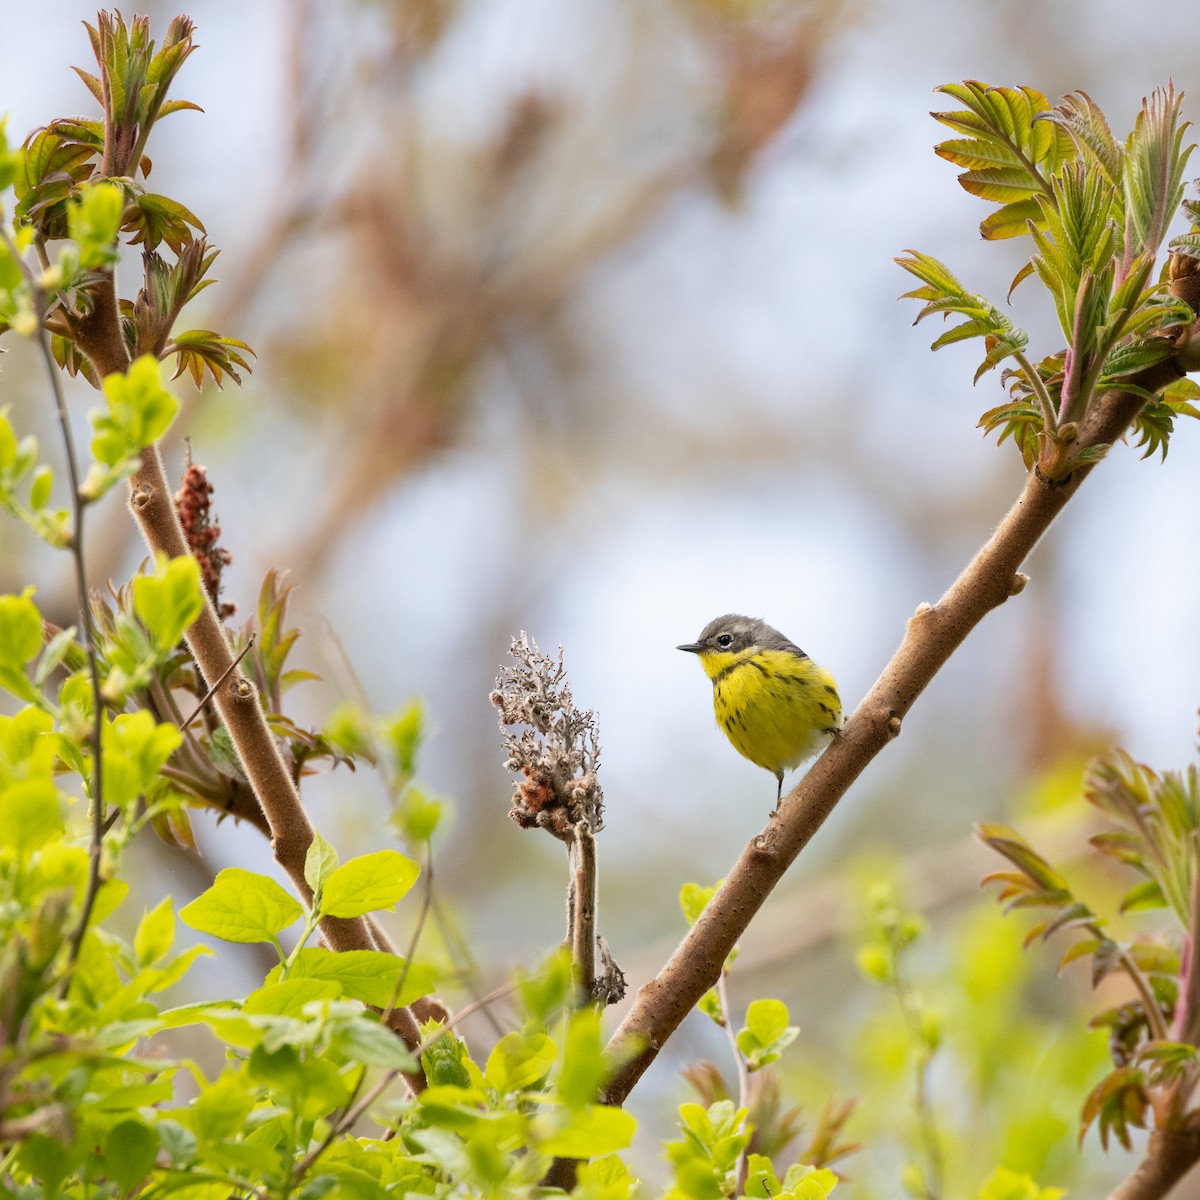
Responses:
[934,633]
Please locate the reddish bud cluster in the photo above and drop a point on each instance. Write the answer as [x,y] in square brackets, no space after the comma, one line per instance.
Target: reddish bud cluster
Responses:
[194,504]
[536,805]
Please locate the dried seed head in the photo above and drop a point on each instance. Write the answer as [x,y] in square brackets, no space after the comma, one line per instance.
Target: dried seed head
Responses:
[557,747]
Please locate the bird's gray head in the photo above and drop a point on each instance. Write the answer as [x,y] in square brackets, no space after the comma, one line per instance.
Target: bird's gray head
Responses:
[732,633]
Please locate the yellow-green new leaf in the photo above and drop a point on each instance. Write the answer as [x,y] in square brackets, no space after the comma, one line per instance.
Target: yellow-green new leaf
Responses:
[168,601]
[368,883]
[518,1061]
[591,1131]
[242,906]
[30,815]
[20,629]
[155,934]
[367,975]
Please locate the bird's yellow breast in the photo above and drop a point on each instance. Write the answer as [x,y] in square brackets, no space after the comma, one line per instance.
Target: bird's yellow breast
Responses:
[776,707]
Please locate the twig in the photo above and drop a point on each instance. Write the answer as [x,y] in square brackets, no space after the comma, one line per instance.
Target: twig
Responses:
[96,847]
[739,1063]
[926,1121]
[208,695]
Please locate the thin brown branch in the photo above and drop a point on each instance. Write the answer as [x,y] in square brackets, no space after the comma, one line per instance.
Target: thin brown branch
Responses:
[78,506]
[208,695]
[933,634]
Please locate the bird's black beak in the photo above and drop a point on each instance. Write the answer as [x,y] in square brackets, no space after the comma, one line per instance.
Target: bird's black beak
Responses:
[691,647]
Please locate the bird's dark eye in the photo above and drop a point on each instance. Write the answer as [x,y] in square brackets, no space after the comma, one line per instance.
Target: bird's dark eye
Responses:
[725,640]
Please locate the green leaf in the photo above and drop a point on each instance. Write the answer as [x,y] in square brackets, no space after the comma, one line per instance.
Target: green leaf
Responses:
[1143,896]
[242,906]
[584,1068]
[1011,149]
[288,997]
[944,294]
[766,1033]
[550,991]
[136,749]
[153,219]
[200,350]
[417,816]
[693,899]
[1154,162]
[319,862]
[20,629]
[805,1183]
[710,1005]
[1003,1184]
[41,488]
[402,733]
[444,1059]
[139,412]
[130,1154]
[168,601]
[221,1109]
[30,815]
[367,975]
[155,933]
[368,883]
[1083,120]
[519,1061]
[591,1131]
[362,1040]
[93,220]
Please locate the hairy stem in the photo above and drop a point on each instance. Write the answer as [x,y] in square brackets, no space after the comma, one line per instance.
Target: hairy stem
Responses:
[1170,1154]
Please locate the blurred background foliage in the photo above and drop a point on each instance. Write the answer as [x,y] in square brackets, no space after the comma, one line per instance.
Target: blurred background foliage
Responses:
[580,319]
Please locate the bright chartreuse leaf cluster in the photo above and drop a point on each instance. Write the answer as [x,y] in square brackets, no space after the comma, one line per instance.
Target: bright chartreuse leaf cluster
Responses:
[1097,213]
[138,411]
[26,486]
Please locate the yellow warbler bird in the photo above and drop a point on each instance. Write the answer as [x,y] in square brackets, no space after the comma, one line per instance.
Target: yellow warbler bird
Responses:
[774,703]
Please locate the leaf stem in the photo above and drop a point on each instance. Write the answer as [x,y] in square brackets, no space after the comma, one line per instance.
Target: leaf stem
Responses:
[1038,387]
[926,1120]
[743,1075]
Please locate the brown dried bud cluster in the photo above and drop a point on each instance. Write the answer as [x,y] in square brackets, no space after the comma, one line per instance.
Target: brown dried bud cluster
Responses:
[193,501]
[556,750]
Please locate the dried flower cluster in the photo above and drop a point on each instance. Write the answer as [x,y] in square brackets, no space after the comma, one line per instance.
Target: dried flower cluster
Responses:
[557,749]
[194,503]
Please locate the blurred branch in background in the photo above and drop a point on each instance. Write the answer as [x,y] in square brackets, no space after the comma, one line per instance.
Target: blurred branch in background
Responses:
[441,249]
